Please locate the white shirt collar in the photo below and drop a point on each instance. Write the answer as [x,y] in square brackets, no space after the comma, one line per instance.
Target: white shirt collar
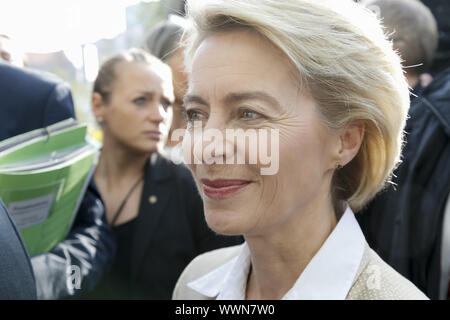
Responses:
[328,276]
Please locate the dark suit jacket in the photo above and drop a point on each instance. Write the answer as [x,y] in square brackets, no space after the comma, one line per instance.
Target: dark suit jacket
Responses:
[16,274]
[30,100]
[404,224]
[168,234]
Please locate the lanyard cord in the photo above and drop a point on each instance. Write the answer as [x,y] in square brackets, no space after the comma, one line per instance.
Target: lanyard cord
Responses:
[124,201]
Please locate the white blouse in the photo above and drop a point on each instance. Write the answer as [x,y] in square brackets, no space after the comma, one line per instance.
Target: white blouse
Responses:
[329,275]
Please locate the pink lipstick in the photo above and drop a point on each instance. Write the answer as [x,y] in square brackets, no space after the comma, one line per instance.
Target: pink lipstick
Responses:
[223,188]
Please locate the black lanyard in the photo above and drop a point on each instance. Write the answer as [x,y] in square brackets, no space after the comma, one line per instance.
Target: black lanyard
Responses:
[124,201]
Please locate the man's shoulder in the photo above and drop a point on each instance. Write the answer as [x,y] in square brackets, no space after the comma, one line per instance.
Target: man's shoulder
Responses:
[200,266]
[28,75]
[376,280]
[440,83]
[435,99]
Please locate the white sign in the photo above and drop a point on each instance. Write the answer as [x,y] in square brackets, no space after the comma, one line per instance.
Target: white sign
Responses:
[30,212]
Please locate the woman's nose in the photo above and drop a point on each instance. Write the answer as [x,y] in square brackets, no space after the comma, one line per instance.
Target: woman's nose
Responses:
[157,113]
[211,145]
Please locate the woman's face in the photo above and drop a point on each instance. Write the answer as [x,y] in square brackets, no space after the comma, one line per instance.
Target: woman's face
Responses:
[240,81]
[139,111]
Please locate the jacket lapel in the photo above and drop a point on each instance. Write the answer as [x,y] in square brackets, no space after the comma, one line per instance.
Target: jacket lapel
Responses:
[362,266]
[155,195]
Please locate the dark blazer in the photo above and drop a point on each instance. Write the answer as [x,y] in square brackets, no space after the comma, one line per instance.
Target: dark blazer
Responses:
[16,274]
[404,224]
[168,234]
[30,100]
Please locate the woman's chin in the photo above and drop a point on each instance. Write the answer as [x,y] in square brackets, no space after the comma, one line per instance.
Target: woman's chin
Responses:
[223,224]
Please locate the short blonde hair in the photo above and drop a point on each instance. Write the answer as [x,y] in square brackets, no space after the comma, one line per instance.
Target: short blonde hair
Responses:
[343,60]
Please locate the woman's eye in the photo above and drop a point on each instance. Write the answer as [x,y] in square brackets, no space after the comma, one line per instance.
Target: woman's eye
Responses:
[140,101]
[166,104]
[247,114]
[193,115]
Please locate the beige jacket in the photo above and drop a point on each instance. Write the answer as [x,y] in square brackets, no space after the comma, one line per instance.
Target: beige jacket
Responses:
[389,285]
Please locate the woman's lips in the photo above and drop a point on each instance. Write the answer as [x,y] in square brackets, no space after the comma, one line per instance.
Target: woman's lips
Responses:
[223,188]
[152,134]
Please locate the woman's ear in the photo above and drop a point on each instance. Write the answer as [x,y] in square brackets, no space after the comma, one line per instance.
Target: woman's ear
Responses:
[97,106]
[351,139]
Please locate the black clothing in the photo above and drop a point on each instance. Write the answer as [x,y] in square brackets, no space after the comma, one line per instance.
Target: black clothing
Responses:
[116,283]
[404,224]
[16,274]
[31,100]
[124,236]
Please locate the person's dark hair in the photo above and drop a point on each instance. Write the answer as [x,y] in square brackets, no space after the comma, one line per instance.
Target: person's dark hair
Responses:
[106,75]
[413,29]
[164,39]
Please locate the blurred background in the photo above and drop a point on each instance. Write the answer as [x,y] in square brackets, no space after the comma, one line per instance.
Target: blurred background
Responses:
[71,38]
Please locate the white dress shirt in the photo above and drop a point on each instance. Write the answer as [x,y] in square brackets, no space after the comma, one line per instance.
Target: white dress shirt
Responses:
[329,274]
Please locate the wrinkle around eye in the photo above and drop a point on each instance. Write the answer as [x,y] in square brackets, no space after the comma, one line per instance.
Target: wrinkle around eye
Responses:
[194,114]
[256,115]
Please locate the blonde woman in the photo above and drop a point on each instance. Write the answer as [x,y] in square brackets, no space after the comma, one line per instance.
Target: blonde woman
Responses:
[322,75]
